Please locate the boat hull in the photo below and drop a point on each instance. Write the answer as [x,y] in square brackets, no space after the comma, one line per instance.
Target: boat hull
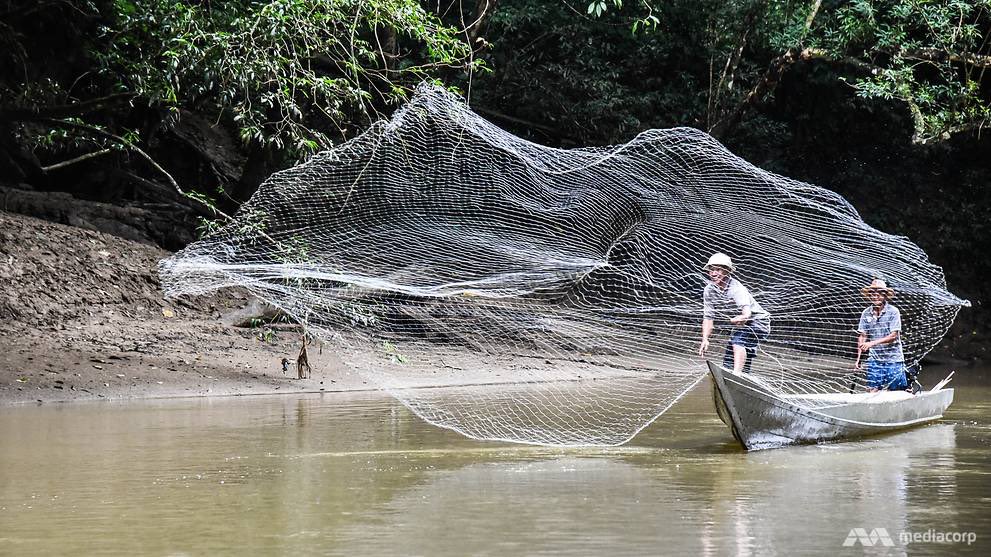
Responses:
[761,420]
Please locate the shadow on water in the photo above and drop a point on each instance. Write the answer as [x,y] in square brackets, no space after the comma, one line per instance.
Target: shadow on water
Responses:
[359,474]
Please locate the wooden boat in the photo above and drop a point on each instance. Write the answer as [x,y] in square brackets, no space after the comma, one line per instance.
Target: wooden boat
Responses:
[760,419]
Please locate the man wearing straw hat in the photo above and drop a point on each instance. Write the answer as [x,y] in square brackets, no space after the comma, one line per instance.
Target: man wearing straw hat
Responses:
[880,336]
[727,298]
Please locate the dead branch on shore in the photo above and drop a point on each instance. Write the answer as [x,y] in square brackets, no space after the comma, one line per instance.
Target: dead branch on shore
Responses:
[303,369]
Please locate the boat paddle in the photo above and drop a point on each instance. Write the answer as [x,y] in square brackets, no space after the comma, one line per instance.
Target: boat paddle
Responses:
[942,383]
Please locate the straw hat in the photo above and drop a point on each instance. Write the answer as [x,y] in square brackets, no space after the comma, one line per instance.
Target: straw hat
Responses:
[722,260]
[877,285]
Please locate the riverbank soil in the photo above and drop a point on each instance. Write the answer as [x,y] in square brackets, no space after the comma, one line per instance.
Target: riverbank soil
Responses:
[82,317]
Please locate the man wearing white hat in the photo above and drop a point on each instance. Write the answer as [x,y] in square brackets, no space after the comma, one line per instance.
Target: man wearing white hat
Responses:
[726,298]
[880,335]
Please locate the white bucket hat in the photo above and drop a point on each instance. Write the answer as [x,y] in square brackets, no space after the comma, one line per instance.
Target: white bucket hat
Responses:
[722,260]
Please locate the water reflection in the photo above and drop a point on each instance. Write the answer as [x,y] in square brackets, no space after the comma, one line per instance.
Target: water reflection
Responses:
[645,500]
[773,500]
[359,474]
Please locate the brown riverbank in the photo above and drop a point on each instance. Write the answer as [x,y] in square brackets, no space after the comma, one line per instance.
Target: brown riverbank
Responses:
[82,317]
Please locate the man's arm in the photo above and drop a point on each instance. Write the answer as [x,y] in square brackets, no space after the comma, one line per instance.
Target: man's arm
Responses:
[862,331]
[861,340]
[706,332]
[888,339]
[743,299]
[743,317]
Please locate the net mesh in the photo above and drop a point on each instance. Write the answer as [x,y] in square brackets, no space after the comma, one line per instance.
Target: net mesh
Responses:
[555,296]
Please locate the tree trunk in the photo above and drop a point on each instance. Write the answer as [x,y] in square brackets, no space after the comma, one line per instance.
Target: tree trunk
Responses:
[483,12]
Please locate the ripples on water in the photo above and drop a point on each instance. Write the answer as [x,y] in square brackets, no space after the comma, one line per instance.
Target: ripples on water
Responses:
[352,474]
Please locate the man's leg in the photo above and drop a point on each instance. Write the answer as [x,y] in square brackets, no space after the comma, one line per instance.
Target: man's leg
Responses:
[736,351]
[757,336]
[875,376]
[747,338]
[728,356]
[895,377]
[751,354]
[739,358]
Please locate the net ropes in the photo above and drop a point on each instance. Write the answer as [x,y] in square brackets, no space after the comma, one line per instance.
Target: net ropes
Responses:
[516,292]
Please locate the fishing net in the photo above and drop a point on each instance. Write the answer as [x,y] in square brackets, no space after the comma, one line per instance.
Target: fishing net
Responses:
[517,292]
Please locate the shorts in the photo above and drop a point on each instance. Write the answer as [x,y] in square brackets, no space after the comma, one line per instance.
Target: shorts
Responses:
[886,375]
[748,337]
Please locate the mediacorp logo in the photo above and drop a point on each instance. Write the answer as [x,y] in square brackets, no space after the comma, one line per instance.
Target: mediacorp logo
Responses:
[876,536]
[881,537]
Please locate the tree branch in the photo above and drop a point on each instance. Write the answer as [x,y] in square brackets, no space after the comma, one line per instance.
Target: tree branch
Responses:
[951,131]
[936,55]
[80,158]
[118,139]
[764,87]
[66,110]
[733,61]
[483,11]
[136,149]
[554,132]
[812,16]
[165,194]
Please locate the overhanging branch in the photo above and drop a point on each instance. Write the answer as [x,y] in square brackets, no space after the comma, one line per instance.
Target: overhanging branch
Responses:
[130,145]
[936,55]
[14,114]
[75,160]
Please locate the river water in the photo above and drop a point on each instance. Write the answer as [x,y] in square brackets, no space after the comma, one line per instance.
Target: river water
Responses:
[358,474]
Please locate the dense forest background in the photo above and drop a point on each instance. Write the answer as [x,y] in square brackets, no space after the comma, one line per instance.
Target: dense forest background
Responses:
[149,118]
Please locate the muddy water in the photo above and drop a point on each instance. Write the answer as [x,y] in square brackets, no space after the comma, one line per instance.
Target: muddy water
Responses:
[359,475]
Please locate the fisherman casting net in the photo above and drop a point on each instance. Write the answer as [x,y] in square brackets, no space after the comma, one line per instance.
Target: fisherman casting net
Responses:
[555,295]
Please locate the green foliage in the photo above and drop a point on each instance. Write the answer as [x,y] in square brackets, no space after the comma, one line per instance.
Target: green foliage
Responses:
[205,200]
[358,314]
[590,80]
[702,58]
[294,250]
[267,335]
[598,7]
[644,20]
[393,353]
[287,75]
[286,71]
[251,225]
[205,226]
[930,55]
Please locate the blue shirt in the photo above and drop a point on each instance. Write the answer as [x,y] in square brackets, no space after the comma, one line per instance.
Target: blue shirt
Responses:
[880,326]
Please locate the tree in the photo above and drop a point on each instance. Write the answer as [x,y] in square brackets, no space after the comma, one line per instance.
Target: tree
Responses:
[287,75]
[930,55]
[603,74]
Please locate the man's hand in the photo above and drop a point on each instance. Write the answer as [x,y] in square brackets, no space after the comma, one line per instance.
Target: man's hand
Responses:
[703,347]
[739,319]
[865,346]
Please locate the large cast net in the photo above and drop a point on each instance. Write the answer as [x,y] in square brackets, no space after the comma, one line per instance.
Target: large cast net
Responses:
[518,292]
